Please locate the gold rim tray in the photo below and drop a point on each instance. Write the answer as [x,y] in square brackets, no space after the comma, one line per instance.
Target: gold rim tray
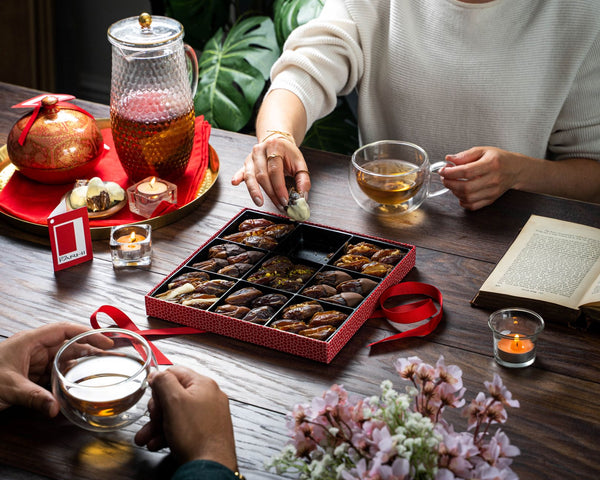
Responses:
[7,169]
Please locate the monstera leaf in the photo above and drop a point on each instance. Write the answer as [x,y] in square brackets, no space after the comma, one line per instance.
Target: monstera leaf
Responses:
[200,18]
[337,132]
[233,70]
[289,14]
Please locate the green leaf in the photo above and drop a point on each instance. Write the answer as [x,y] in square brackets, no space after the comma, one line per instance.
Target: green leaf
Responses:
[337,132]
[233,72]
[290,14]
[200,18]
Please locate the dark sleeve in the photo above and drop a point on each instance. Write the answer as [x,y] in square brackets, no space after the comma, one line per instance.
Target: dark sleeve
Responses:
[203,469]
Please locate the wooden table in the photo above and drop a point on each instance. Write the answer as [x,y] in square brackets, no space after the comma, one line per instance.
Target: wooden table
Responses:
[557,427]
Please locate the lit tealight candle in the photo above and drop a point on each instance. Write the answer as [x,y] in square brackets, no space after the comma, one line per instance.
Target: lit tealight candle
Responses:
[131,241]
[514,348]
[145,196]
[131,245]
[515,331]
[152,187]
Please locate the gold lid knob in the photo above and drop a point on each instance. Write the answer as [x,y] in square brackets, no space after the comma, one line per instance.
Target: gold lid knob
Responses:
[145,20]
[49,101]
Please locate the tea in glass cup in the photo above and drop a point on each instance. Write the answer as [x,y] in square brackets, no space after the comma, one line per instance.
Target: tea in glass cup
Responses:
[392,177]
[100,378]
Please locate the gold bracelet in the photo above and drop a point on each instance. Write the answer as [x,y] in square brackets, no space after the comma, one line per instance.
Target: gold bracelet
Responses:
[239,475]
[288,136]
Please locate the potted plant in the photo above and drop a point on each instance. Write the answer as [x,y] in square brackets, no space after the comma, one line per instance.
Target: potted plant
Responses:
[238,42]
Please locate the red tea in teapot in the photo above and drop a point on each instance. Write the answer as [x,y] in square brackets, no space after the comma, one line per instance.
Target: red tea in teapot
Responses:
[153,83]
[151,140]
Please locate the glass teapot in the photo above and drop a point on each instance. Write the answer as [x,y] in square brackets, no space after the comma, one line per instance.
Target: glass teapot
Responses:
[153,83]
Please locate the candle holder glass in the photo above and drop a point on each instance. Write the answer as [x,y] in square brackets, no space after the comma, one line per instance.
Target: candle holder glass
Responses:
[131,252]
[146,195]
[515,332]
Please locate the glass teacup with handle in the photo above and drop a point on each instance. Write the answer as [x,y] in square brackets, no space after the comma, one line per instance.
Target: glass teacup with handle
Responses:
[100,378]
[391,177]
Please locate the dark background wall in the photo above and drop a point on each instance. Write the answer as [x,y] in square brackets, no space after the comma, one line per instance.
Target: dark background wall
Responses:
[60,46]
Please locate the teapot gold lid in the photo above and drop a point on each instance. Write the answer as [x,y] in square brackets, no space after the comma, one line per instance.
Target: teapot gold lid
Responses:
[144,31]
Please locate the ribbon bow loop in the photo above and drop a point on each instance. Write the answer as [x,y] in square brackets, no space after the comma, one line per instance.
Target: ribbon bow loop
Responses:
[417,311]
[123,321]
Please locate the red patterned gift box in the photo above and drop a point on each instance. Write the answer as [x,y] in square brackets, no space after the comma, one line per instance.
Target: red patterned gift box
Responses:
[306,245]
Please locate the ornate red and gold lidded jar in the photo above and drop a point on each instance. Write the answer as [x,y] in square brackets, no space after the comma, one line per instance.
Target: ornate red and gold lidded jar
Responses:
[63,143]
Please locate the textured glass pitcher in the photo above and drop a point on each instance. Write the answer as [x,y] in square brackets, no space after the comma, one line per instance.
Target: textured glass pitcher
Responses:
[154,80]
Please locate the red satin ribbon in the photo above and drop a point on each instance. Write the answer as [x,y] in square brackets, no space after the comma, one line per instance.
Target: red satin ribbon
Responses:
[411,312]
[36,102]
[123,321]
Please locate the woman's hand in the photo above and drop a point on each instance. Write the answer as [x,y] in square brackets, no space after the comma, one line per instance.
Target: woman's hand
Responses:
[267,166]
[482,175]
[280,127]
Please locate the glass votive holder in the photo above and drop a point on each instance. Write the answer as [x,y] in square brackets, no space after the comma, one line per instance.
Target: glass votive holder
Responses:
[131,245]
[515,332]
[147,194]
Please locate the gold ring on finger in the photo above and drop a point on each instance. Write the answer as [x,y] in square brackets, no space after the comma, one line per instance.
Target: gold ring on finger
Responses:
[301,171]
[273,155]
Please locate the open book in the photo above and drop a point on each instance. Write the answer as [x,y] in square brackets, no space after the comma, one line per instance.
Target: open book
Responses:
[552,267]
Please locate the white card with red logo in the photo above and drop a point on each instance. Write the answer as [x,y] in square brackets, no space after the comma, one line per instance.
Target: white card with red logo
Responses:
[70,237]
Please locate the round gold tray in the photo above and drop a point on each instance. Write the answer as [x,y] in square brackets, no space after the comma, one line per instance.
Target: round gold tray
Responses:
[212,172]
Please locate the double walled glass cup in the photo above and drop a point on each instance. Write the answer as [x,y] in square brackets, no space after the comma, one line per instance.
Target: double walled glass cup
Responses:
[100,378]
[392,177]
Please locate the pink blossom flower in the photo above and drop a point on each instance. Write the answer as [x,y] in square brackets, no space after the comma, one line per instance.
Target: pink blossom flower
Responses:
[388,437]
[451,375]
[455,451]
[500,393]
[475,411]
[407,367]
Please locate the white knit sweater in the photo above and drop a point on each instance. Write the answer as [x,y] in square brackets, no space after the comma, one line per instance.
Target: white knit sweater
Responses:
[521,75]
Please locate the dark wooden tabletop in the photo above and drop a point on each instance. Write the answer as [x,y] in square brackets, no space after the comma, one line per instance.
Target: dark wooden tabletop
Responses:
[557,427]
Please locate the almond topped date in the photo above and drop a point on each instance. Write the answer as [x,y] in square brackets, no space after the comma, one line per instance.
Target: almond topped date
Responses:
[329,317]
[189,277]
[388,255]
[260,241]
[332,277]
[211,265]
[215,287]
[362,248]
[273,300]
[302,311]
[225,250]
[377,269]
[243,296]
[349,299]
[319,333]
[259,314]
[252,223]
[352,262]
[319,291]
[235,270]
[235,311]
[287,325]
[358,285]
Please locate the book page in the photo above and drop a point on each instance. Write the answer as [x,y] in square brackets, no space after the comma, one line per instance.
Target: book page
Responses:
[552,261]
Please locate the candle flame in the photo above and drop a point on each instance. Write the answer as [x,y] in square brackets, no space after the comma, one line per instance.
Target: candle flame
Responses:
[152,182]
[516,340]
[132,237]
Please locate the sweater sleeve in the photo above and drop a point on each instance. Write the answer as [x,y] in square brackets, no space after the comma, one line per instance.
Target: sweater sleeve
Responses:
[577,130]
[321,60]
[203,469]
